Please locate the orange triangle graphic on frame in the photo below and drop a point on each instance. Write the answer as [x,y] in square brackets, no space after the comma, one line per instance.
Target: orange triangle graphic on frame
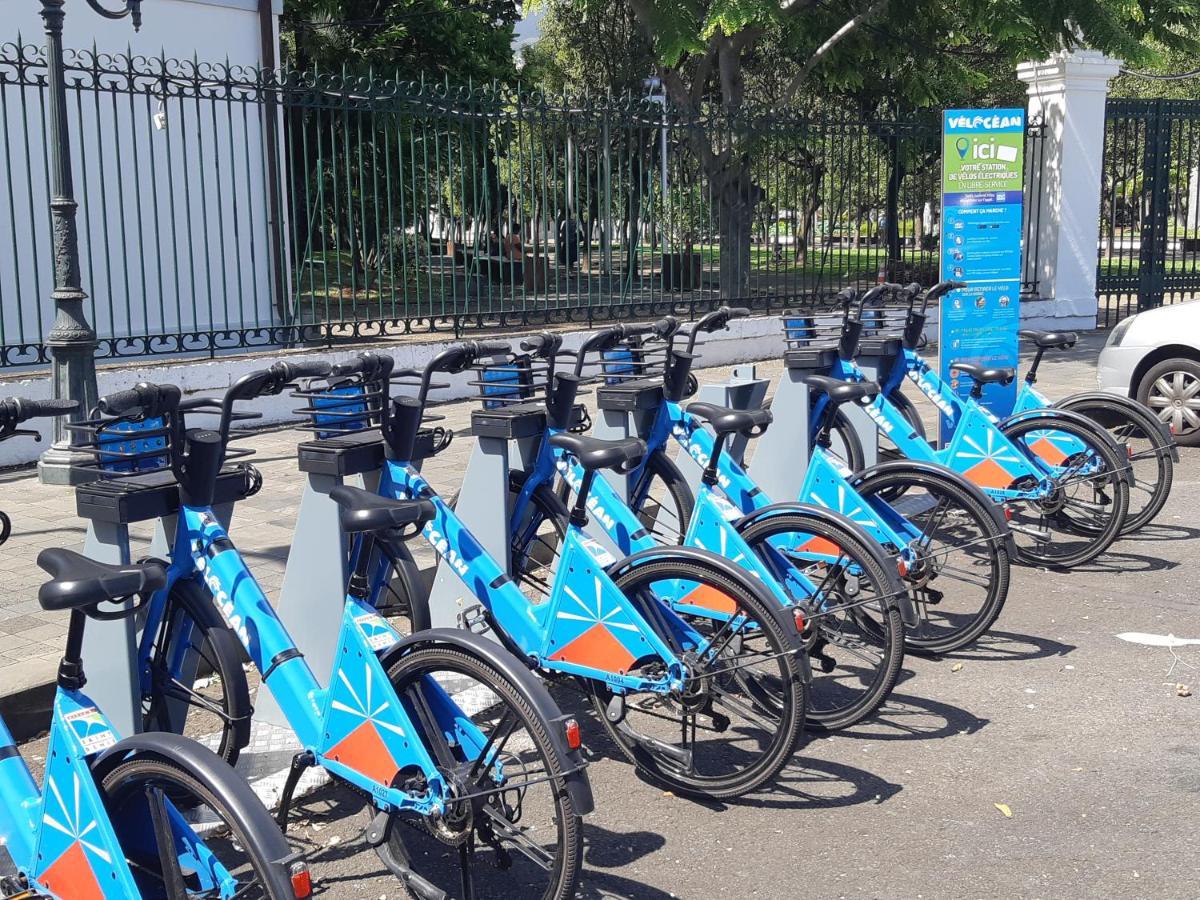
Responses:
[989,474]
[708,597]
[1047,450]
[597,648]
[363,750]
[71,876]
[820,545]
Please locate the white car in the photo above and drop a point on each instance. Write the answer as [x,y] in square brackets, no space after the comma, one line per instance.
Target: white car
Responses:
[1154,357]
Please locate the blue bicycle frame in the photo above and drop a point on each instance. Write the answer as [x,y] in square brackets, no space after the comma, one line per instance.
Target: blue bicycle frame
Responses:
[978,449]
[588,627]
[62,839]
[356,727]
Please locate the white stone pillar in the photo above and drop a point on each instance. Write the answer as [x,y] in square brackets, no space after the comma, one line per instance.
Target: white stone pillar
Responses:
[1068,91]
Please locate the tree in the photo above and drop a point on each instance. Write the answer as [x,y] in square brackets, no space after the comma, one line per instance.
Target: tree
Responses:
[883,54]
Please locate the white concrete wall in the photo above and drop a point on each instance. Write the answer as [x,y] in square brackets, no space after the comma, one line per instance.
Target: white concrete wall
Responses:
[173,221]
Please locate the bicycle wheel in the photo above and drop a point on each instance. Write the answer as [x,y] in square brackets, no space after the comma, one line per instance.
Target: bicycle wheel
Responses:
[854,633]
[196,677]
[139,789]
[1080,517]
[959,581]
[668,503]
[515,832]
[845,443]
[1152,468]
[740,715]
[888,451]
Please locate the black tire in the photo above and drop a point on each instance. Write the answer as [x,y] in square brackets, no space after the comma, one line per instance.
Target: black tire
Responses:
[488,697]
[1166,382]
[1152,469]
[215,707]
[247,842]
[960,581]
[668,505]
[856,654]
[741,724]
[845,443]
[888,451]
[1086,512]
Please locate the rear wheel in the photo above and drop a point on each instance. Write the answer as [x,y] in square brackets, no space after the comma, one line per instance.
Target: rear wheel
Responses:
[1084,511]
[959,580]
[739,716]
[666,501]
[139,793]
[516,831]
[196,676]
[1152,469]
[854,634]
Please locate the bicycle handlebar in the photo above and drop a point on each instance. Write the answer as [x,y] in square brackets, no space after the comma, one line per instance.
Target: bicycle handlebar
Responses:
[151,399]
[939,290]
[372,366]
[23,410]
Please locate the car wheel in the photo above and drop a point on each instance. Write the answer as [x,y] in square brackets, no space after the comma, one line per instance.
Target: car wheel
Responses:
[1172,391]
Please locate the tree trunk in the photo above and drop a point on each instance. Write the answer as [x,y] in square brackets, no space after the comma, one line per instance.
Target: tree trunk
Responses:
[736,198]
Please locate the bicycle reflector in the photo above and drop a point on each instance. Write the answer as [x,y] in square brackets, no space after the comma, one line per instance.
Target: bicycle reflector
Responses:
[571,730]
[798,617]
[301,881]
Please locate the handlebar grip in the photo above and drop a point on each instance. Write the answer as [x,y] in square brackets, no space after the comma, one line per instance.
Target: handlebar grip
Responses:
[739,312]
[309,368]
[638,330]
[369,363]
[151,398]
[533,344]
[489,348]
[37,409]
[665,327]
[944,287]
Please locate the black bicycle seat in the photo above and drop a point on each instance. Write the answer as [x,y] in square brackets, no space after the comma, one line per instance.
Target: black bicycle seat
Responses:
[80,582]
[594,453]
[725,420]
[362,511]
[984,375]
[842,391]
[1047,339]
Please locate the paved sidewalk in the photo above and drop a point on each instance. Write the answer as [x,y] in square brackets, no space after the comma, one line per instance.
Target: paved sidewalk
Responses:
[31,640]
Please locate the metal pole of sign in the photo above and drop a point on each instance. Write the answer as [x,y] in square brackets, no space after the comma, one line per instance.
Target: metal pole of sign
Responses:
[72,340]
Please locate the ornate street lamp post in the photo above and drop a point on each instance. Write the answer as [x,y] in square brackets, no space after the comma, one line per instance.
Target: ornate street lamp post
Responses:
[72,340]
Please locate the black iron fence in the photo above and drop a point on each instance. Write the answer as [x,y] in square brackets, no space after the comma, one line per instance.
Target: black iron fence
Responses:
[1149,251]
[226,208]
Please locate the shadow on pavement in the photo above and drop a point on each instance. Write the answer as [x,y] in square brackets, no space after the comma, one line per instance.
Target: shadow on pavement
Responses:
[1124,563]
[1003,646]
[1155,532]
[905,717]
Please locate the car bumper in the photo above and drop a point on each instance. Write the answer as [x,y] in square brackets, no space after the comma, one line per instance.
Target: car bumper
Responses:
[1115,368]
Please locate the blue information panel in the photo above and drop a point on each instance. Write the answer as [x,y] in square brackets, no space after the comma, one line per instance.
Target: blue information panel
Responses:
[983,172]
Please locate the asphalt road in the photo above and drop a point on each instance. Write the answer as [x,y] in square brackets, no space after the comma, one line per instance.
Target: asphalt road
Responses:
[1082,736]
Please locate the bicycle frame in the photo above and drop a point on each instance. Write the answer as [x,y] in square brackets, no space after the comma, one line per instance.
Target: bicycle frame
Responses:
[978,449]
[63,839]
[826,484]
[357,727]
[587,627]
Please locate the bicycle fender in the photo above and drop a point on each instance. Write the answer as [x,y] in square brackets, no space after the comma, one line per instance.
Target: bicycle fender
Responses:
[571,762]
[1132,405]
[907,612]
[937,471]
[205,766]
[730,571]
[1051,416]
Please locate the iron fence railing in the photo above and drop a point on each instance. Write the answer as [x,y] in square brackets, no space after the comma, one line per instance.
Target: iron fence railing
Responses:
[403,207]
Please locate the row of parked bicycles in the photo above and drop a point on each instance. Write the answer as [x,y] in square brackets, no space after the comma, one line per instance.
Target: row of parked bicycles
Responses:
[705,625]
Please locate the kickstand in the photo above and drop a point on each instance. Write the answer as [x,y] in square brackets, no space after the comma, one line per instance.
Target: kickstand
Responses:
[301,761]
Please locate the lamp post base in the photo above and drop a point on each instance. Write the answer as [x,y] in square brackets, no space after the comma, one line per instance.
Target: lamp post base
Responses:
[61,464]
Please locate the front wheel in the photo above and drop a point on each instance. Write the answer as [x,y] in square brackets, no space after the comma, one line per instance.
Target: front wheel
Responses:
[739,716]
[958,576]
[142,794]
[515,831]
[1083,511]
[854,633]
[1151,466]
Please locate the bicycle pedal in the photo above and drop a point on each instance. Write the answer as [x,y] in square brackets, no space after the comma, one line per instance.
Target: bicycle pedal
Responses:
[933,596]
[475,620]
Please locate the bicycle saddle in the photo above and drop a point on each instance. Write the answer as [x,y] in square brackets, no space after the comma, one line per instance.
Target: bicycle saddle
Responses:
[594,453]
[725,420]
[983,375]
[1047,339]
[80,582]
[361,510]
[842,391]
